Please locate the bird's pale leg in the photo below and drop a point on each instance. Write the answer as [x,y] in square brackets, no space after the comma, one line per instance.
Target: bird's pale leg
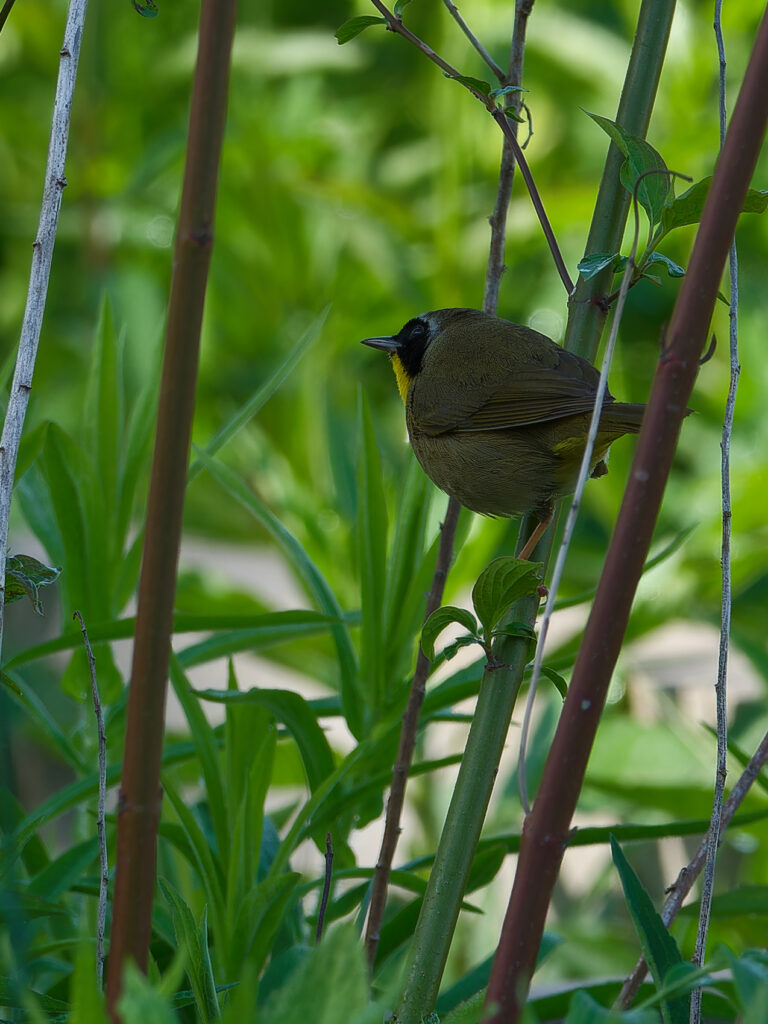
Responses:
[537,534]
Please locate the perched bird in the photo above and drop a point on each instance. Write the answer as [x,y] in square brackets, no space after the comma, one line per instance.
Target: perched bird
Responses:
[497,413]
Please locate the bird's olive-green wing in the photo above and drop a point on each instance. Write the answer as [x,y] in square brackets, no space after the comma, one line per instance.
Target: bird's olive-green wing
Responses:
[513,397]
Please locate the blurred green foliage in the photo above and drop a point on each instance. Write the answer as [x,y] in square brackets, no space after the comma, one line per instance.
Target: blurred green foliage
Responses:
[359,177]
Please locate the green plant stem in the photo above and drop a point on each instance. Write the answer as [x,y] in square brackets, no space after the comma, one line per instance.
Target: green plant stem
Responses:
[545,834]
[434,930]
[140,793]
[447,881]
[588,308]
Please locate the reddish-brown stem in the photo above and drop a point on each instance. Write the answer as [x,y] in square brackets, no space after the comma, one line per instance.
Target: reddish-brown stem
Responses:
[140,795]
[545,833]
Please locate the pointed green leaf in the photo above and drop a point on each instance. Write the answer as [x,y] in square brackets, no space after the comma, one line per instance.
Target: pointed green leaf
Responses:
[140,1002]
[208,753]
[372,533]
[400,7]
[24,576]
[505,580]
[355,26]
[672,268]
[296,715]
[265,392]
[586,1010]
[590,266]
[194,941]
[331,985]
[475,84]
[554,677]
[103,417]
[750,978]
[260,914]
[659,948]
[687,208]
[315,583]
[439,620]
[641,158]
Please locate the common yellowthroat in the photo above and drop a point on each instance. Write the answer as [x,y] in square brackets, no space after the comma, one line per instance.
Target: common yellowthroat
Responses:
[497,413]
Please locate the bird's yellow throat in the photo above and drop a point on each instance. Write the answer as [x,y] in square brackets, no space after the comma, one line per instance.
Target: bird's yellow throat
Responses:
[401,374]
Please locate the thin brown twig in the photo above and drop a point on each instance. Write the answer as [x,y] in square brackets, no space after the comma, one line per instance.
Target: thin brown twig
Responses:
[454,12]
[326,886]
[394,24]
[688,875]
[101,831]
[407,744]
[498,219]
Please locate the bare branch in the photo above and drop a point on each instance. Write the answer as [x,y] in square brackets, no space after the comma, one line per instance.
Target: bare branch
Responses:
[454,11]
[326,886]
[101,812]
[42,254]
[721,685]
[394,24]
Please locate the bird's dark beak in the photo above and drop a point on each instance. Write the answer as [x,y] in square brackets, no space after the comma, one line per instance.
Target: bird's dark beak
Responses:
[385,344]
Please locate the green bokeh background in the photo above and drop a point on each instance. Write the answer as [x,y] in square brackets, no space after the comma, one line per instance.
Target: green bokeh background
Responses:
[360,177]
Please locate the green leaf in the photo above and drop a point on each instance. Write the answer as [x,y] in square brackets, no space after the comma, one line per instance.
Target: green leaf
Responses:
[687,208]
[586,1010]
[590,266]
[439,620]
[315,583]
[476,84]
[505,580]
[267,630]
[247,820]
[672,268]
[267,389]
[260,915]
[103,412]
[204,859]
[750,977]
[513,115]
[296,715]
[372,532]
[452,649]
[147,9]
[410,569]
[24,576]
[140,1002]
[554,677]
[331,985]
[355,26]
[88,1003]
[659,948]
[194,941]
[208,753]
[400,7]
[641,157]
[496,94]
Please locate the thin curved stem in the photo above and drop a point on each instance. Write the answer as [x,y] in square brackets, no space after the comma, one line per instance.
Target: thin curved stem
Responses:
[395,24]
[454,12]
